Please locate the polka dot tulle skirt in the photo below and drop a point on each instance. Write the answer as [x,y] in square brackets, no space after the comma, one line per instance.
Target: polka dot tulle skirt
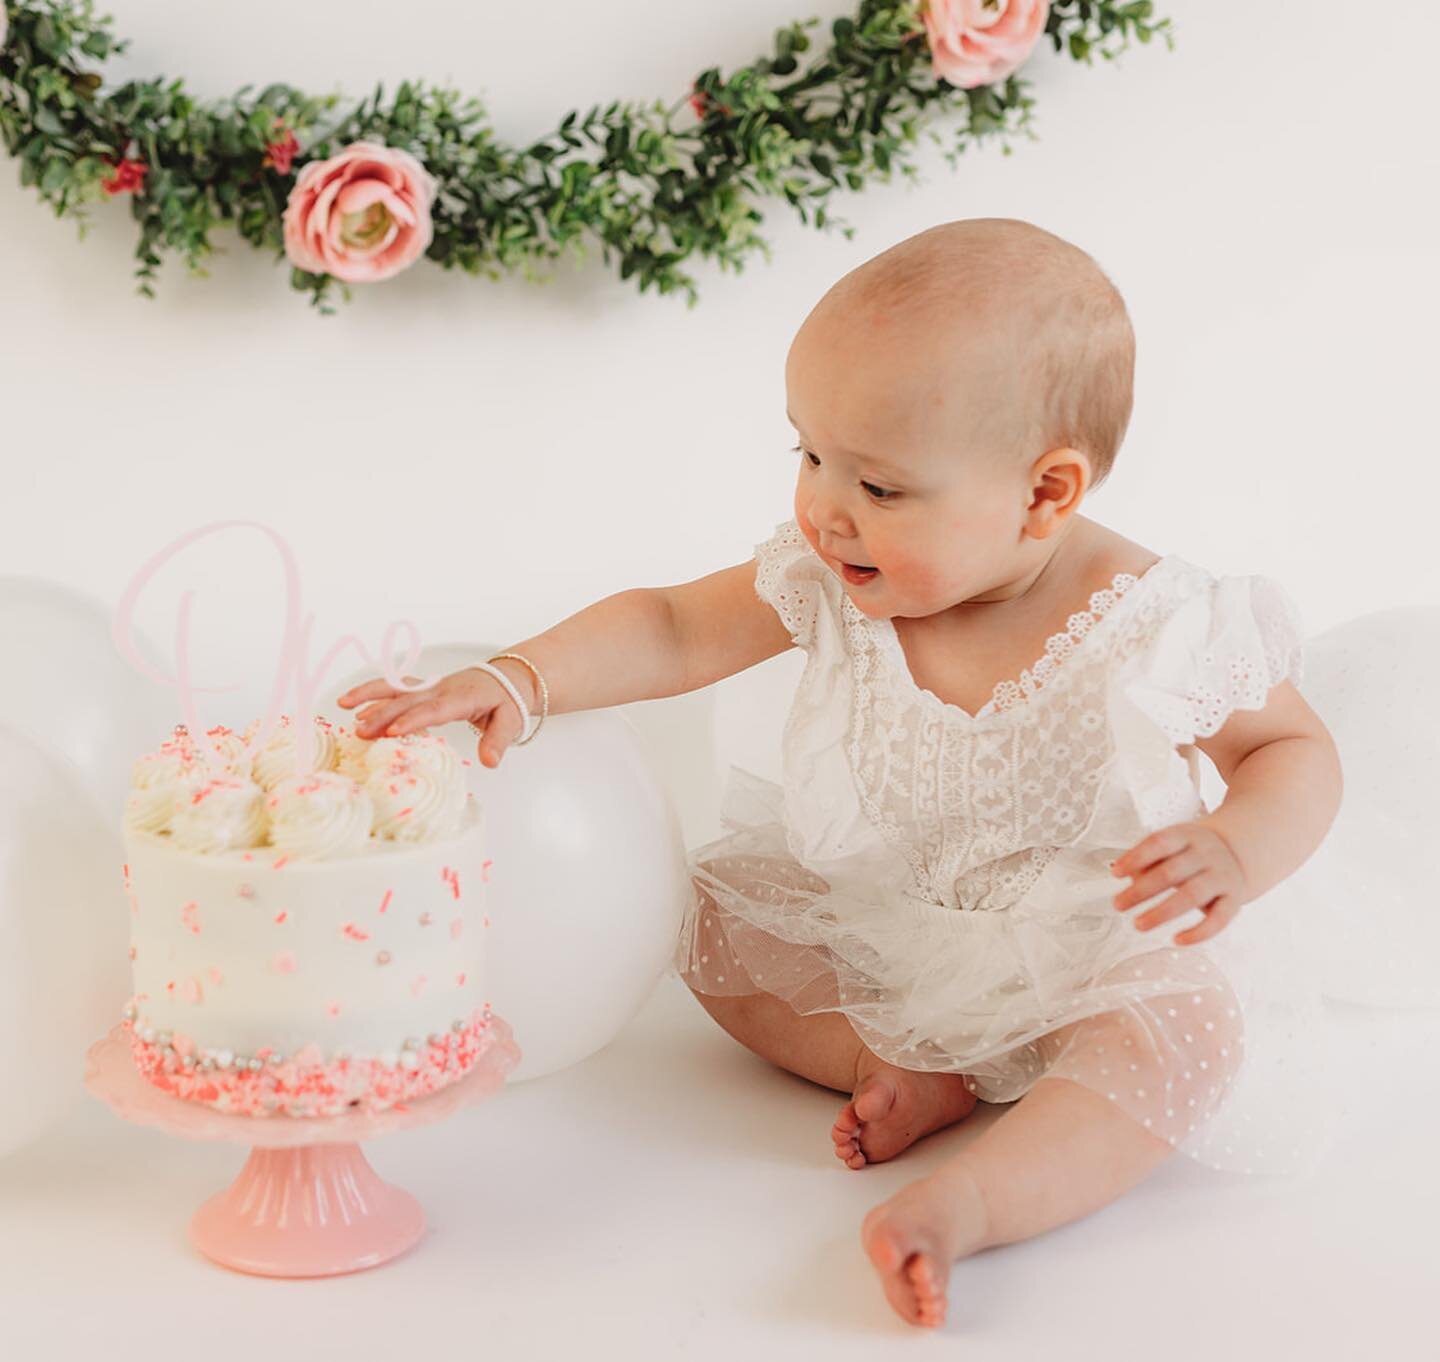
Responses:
[1216,1048]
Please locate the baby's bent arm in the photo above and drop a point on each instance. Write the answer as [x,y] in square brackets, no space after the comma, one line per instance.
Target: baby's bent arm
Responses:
[723,627]
[648,643]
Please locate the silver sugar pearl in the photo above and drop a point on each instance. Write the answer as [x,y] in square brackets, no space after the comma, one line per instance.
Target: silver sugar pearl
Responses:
[457,1027]
[410,1043]
[256,1065]
[188,1061]
[436,1038]
[207,1063]
[131,1012]
[277,1059]
[383,958]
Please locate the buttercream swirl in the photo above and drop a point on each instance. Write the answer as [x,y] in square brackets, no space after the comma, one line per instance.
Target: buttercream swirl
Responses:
[232,747]
[319,814]
[418,787]
[276,761]
[406,789]
[219,813]
[159,780]
[351,752]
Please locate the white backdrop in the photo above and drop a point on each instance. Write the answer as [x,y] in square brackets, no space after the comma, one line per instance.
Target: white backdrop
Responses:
[488,458]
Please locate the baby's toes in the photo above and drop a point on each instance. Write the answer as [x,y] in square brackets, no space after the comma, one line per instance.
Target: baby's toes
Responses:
[886,1254]
[929,1290]
[846,1134]
[847,1125]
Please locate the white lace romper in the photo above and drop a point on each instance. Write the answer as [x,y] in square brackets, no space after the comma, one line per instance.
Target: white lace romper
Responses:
[942,878]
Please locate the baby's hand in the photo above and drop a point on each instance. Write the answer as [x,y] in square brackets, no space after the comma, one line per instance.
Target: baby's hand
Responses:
[469,695]
[1195,861]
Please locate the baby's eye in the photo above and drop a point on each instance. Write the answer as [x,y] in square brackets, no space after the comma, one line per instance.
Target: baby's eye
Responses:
[879,493]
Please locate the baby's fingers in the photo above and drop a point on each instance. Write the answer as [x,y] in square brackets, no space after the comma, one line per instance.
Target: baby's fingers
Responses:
[377,717]
[435,708]
[498,732]
[377,688]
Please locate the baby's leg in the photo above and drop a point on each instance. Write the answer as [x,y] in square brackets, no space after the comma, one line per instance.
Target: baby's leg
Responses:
[1066,1148]
[889,1109]
[822,1047]
[1061,1152]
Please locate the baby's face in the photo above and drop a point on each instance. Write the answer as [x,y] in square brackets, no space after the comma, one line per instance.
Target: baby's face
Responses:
[895,470]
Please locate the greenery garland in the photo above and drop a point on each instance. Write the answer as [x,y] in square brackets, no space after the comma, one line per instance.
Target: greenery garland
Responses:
[653,189]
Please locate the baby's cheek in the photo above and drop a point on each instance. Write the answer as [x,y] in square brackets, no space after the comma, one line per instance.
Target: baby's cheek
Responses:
[918,574]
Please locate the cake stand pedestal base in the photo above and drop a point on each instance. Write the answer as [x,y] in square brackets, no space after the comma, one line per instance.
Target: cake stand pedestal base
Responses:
[308,1211]
[306,1203]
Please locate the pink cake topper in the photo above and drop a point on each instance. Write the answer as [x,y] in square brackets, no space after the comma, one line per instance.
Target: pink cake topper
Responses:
[291,668]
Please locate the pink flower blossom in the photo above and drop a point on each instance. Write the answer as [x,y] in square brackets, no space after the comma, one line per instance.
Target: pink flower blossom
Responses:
[362,215]
[978,42]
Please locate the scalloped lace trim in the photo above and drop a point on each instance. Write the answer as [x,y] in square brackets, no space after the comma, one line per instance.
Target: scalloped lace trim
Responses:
[1058,647]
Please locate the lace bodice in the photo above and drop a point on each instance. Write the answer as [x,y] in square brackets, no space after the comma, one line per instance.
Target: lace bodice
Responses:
[1082,749]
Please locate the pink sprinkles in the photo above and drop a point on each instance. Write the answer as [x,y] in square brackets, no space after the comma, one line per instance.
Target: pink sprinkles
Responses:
[385,902]
[355,933]
[307,1085]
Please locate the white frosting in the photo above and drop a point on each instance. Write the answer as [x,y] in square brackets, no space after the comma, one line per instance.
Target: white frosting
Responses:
[406,789]
[320,814]
[234,754]
[356,953]
[351,753]
[277,760]
[417,786]
[159,780]
[218,814]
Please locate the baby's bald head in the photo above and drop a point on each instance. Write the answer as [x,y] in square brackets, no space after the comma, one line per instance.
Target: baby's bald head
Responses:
[1013,339]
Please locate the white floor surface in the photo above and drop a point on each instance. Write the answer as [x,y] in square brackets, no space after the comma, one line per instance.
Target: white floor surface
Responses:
[676,1197]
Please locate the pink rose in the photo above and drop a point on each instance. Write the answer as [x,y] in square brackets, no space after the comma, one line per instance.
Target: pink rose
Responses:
[362,215]
[977,42]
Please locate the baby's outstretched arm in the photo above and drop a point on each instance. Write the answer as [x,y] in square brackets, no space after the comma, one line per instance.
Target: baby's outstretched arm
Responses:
[1284,784]
[642,644]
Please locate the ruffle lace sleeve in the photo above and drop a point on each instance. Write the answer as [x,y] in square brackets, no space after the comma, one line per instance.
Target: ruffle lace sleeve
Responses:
[1228,643]
[788,575]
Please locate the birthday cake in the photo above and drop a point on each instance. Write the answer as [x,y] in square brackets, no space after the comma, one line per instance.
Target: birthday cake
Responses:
[307,927]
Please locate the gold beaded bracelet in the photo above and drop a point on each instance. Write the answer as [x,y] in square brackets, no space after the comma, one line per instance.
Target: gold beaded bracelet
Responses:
[539,685]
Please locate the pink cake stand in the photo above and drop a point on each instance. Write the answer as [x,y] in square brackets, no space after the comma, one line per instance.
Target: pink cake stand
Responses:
[307,1202]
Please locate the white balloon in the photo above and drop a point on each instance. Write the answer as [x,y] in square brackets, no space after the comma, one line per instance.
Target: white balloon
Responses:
[66,684]
[589,876]
[64,970]
[1369,898]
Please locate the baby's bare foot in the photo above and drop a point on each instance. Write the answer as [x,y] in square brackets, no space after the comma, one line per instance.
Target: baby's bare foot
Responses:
[892,1108]
[915,1236]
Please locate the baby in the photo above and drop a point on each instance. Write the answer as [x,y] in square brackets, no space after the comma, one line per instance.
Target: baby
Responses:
[990,760]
